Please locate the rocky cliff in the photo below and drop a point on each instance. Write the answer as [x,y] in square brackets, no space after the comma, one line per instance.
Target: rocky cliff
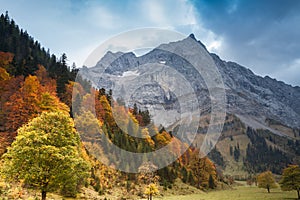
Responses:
[251,97]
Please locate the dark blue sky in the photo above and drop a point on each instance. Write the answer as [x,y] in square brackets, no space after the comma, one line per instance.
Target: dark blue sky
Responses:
[263,35]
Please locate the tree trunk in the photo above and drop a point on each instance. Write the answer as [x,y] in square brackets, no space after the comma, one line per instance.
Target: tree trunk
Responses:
[298,191]
[268,189]
[44,195]
[198,184]
[150,196]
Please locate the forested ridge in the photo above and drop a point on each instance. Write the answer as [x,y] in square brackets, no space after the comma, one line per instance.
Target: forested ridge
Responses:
[261,157]
[27,54]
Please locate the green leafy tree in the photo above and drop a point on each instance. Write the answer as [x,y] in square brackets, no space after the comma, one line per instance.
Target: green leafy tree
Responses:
[266,180]
[291,179]
[46,155]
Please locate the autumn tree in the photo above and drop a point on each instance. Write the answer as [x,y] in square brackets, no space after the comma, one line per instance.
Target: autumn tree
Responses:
[162,139]
[106,111]
[266,180]
[8,86]
[148,177]
[151,190]
[49,84]
[147,137]
[147,174]
[4,80]
[203,170]
[46,155]
[4,75]
[6,59]
[88,125]
[291,179]
[23,104]
[72,89]
[103,177]
[31,99]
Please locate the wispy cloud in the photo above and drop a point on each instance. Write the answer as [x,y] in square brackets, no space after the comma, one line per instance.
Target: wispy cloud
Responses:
[168,12]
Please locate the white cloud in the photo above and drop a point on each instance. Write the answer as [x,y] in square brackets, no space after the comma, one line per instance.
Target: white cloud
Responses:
[103,18]
[214,43]
[155,12]
[168,13]
[214,46]
[182,16]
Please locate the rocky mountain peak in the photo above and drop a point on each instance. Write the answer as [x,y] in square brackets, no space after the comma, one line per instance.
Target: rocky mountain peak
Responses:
[192,36]
[249,96]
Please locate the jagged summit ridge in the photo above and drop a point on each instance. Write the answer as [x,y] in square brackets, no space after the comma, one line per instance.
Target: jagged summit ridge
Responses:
[250,96]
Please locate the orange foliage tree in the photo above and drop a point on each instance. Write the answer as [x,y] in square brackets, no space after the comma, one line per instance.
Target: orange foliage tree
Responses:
[203,170]
[28,101]
[23,105]
[6,59]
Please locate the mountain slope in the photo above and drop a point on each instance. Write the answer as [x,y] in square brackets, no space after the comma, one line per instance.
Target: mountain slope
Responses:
[269,107]
[250,96]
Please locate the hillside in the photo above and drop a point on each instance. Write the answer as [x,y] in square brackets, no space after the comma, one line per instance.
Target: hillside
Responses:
[35,86]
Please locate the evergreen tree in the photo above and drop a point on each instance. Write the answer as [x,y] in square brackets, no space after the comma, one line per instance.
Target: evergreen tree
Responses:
[211,182]
[216,156]
[236,153]
[135,109]
[28,54]
[259,157]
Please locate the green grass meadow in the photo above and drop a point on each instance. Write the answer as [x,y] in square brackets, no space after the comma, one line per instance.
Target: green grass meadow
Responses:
[238,193]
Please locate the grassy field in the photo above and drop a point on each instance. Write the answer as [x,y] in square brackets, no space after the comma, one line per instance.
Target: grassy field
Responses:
[238,193]
[243,192]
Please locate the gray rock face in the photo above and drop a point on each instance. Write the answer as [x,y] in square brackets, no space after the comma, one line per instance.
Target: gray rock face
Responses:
[261,98]
[248,95]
